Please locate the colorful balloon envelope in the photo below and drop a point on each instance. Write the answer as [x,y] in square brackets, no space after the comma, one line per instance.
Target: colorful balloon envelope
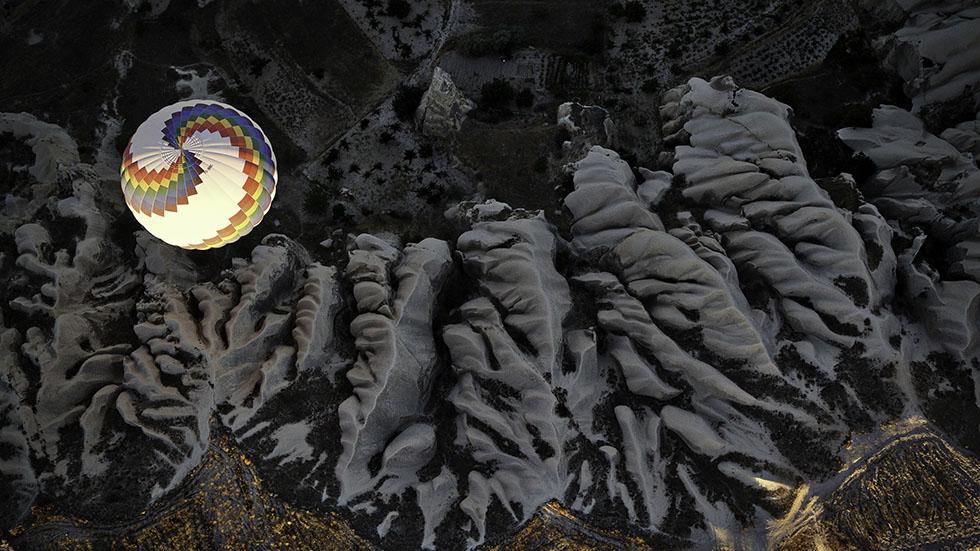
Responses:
[199,174]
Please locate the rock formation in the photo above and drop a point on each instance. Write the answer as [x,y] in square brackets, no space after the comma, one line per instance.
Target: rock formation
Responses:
[443,108]
[395,294]
[676,352]
[936,49]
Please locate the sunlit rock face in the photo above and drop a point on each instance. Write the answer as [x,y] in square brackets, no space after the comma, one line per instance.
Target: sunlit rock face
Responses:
[894,479]
[674,354]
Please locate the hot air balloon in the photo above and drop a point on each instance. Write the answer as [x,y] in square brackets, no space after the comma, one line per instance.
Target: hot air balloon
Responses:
[199,174]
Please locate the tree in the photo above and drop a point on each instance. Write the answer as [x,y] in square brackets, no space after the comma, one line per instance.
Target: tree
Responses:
[496,94]
[634,11]
[340,215]
[399,8]
[407,100]
[317,199]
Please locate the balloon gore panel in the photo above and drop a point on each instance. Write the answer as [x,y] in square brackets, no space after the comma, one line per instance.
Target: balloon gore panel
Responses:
[199,174]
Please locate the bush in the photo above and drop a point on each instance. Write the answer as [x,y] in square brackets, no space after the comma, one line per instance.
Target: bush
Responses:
[399,8]
[407,100]
[317,199]
[496,94]
[634,11]
[340,215]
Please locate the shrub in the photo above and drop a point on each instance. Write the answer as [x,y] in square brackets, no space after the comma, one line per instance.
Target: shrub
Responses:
[634,11]
[496,94]
[340,215]
[317,199]
[399,8]
[406,101]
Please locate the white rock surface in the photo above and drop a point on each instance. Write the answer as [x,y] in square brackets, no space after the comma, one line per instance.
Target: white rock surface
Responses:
[54,150]
[513,263]
[937,49]
[443,107]
[396,351]
[897,144]
[504,362]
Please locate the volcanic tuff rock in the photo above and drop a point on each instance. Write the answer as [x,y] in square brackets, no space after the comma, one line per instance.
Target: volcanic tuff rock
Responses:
[504,353]
[590,123]
[937,49]
[395,294]
[52,149]
[683,349]
[443,107]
